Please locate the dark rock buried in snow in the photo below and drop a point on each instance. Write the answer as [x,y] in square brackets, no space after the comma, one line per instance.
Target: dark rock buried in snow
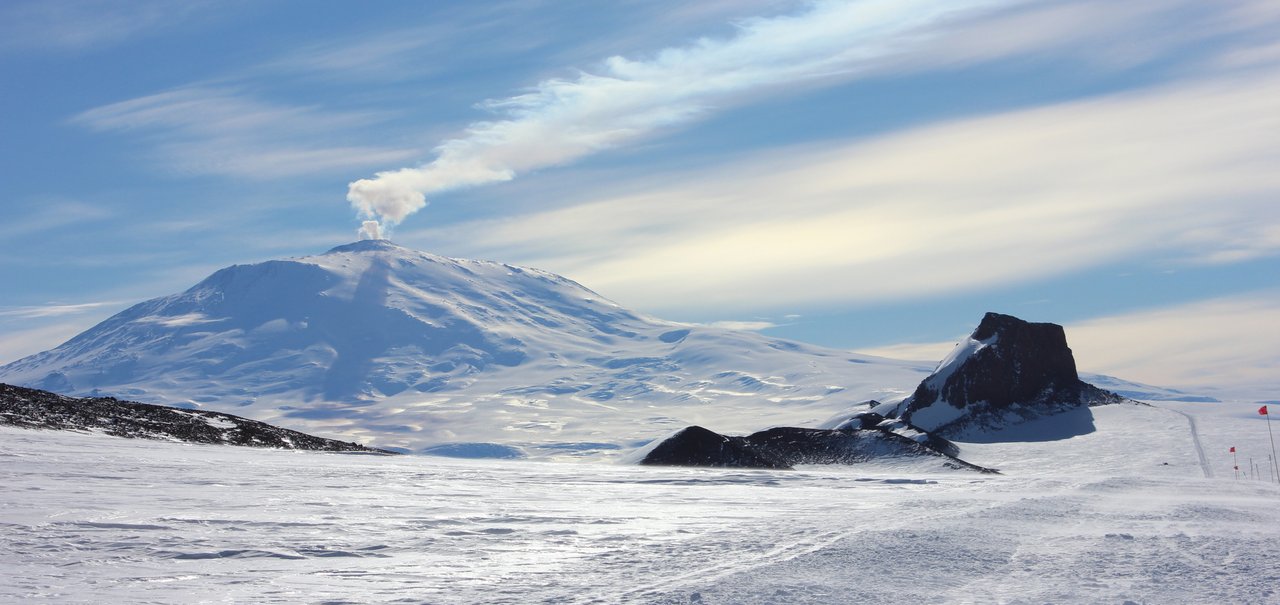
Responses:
[785,447]
[1008,371]
[36,409]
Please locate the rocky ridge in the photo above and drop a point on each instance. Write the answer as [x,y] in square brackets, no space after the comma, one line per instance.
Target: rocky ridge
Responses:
[36,409]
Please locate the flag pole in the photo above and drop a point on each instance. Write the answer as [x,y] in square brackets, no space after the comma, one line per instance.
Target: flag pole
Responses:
[1263,411]
[1235,463]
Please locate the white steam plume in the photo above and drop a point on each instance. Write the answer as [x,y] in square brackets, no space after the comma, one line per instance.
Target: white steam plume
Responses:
[561,120]
[370,230]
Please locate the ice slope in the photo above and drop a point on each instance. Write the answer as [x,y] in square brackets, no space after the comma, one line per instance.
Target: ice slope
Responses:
[376,343]
[1095,518]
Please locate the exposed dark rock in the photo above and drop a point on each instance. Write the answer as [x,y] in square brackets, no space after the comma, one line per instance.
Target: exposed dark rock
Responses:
[35,409]
[1008,371]
[902,428]
[696,446]
[784,447]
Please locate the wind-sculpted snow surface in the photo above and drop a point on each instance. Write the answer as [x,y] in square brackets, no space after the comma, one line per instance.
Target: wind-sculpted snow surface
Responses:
[394,347]
[1122,514]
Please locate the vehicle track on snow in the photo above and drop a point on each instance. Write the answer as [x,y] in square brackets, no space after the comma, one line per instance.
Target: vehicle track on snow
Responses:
[800,545]
[1195,440]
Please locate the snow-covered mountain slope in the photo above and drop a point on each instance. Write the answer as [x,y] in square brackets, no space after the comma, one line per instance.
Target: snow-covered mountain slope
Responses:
[384,345]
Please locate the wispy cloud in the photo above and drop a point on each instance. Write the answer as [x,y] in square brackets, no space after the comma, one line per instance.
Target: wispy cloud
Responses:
[446,45]
[624,100]
[377,56]
[562,120]
[79,24]
[224,131]
[1184,172]
[54,310]
[743,325]
[1100,32]
[42,215]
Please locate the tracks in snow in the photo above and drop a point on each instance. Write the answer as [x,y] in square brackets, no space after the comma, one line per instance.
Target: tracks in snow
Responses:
[1195,440]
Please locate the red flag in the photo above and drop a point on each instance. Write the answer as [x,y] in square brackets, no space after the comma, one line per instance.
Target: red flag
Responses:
[1263,410]
[1233,450]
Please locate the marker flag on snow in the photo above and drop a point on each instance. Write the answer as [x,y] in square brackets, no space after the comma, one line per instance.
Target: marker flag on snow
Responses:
[1263,410]
[1233,450]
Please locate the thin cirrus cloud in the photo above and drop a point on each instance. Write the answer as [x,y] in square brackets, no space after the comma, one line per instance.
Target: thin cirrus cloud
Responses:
[1183,172]
[54,310]
[208,130]
[44,215]
[732,324]
[81,24]
[560,121]
[563,120]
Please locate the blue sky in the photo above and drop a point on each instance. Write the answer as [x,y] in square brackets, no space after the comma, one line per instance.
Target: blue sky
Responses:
[870,175]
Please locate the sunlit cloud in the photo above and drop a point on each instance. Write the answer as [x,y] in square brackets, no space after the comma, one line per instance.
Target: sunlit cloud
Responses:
[1184,172]
[625,100]
[1223,346]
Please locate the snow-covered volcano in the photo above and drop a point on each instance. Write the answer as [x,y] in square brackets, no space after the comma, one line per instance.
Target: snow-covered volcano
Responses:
[401,348]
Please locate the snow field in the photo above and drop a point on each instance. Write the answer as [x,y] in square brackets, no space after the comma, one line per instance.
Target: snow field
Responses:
[1088,519]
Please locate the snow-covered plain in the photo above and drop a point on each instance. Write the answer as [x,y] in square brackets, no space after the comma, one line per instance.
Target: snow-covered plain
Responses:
[1124,513]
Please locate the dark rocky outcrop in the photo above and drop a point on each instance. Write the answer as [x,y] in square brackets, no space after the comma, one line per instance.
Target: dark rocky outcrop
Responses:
[36,409]
[872,420]
[1008,371]
[785,447]
[697,446]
